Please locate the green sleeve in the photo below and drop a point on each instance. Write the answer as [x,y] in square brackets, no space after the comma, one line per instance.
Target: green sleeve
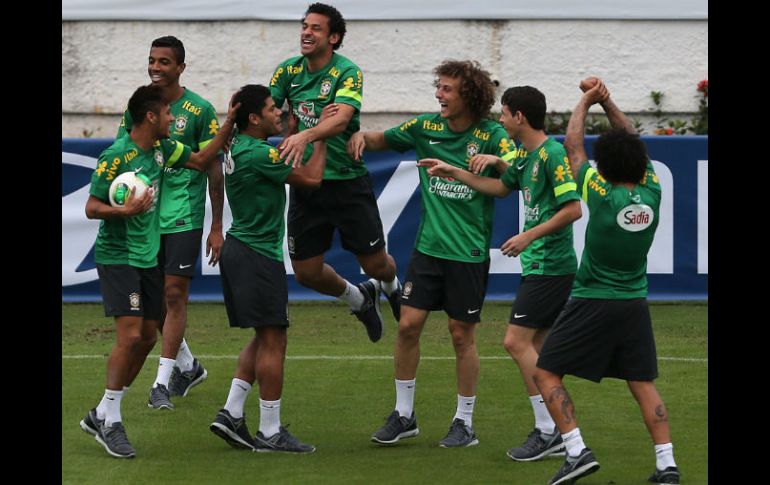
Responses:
[175,153]
[510,178]
[270,165]
[351,89]
[585,174]
[125,124]
[650,177]
[278,85]
[401,138]
[564,186]
[109,166]
[208,127]
[505,148]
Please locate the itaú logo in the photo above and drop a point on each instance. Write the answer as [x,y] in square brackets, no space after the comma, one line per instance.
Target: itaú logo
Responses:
[77,232]
[635,218]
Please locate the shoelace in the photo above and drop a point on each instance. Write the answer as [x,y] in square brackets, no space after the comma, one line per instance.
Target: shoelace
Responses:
[532,442]
[392,422]
[116,434]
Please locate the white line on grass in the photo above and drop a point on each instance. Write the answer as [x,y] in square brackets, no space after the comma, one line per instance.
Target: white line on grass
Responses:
[353,357]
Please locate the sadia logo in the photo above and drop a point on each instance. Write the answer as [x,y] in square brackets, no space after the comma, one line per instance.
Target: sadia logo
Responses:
[635,218]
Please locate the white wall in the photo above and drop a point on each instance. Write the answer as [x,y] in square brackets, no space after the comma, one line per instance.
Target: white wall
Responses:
[104,62]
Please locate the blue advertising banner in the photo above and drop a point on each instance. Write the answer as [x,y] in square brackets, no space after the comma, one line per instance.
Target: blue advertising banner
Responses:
[677,263]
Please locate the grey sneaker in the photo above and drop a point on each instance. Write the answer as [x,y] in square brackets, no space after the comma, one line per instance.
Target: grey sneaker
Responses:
[395,302]
[538,445]
[159,398]
[281,441]
[369,314]
[395,428]
[90,424]
[459,435]
[576,467]
[233,430]
[669,475]
[115,441]
[181,382]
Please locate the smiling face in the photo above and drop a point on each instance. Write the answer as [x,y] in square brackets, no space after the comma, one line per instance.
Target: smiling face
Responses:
[508,121]
[315,40]
[271,117]
[163,68]
[450,100]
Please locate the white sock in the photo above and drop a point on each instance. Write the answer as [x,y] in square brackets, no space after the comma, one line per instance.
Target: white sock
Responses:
[389,286]
[352,296]
[405,397]
[184,358]
[269,417]
[165,366]
[236,400]
[664,456]
[573,442]
[125,390]
[465,409]
[543,420]
[109,407]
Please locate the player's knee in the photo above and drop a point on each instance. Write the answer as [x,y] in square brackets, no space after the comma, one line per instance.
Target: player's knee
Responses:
[461,338]
[408,330]
[308,277]
[515,347]
[176,296]
[382,267]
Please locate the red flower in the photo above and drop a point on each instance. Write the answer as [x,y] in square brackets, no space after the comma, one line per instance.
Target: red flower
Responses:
[703,87]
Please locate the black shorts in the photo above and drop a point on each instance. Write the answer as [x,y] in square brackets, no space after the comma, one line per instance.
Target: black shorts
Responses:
[348,205]
[130,291]
[595,338]
[540,299]
[456,287]
[179,252]
[254,287]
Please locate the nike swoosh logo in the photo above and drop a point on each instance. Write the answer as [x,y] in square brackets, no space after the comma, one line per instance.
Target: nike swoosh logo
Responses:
[433,142]
[372,243]
[470,312]
[516,315]
[183,266]
[294,85]
[521,167]
[243,388]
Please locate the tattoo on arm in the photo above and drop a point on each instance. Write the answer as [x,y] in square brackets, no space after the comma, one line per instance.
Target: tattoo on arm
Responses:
[566,407]
[660,414]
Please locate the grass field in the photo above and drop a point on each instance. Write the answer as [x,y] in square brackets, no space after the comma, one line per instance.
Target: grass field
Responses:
[339,389]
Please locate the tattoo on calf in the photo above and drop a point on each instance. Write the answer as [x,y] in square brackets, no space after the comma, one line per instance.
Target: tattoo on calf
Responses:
[660,414]
[567,408]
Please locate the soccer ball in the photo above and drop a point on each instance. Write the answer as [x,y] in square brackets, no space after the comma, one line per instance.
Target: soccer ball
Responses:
[122,185]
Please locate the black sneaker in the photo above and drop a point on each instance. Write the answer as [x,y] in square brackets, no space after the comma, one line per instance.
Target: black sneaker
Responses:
[575,468]
[233,430]
[395,302]
[281,441]
[181,382]
[538,445]
[90,424]
[115,441]
[669,475]
[159,398]
[369,314]
[459,435]
[395,428]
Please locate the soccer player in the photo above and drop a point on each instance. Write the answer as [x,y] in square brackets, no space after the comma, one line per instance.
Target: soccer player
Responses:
[127,247]
[605,329]
[449,267]
[541,171]
[182,210]
[253,274]
[345,201]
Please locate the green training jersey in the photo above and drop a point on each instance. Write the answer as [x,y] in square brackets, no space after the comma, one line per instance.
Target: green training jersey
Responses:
[546,182]
[621,227]
[339,81]
[254,182]
[183,198]
[456,221]
[132,240]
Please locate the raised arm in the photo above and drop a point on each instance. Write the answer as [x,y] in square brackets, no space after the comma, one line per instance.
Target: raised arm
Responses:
[293,147]
[203,159]
[574,141]
[311,174]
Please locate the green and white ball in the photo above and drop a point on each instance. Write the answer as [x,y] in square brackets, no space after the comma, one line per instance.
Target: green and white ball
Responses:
[122,185]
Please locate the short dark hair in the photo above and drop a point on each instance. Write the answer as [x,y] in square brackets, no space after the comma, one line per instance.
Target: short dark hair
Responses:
[252,98]
[145,98]
[173,43]
[476,86]
[336,22]
[621,157]
[530,101]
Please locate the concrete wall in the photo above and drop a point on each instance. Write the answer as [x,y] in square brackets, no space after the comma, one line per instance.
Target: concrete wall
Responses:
[104,62]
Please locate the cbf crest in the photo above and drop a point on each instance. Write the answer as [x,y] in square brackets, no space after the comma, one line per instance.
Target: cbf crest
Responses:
[180,123]
[158,158]
[535,169]
[473,149]
[326,88]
